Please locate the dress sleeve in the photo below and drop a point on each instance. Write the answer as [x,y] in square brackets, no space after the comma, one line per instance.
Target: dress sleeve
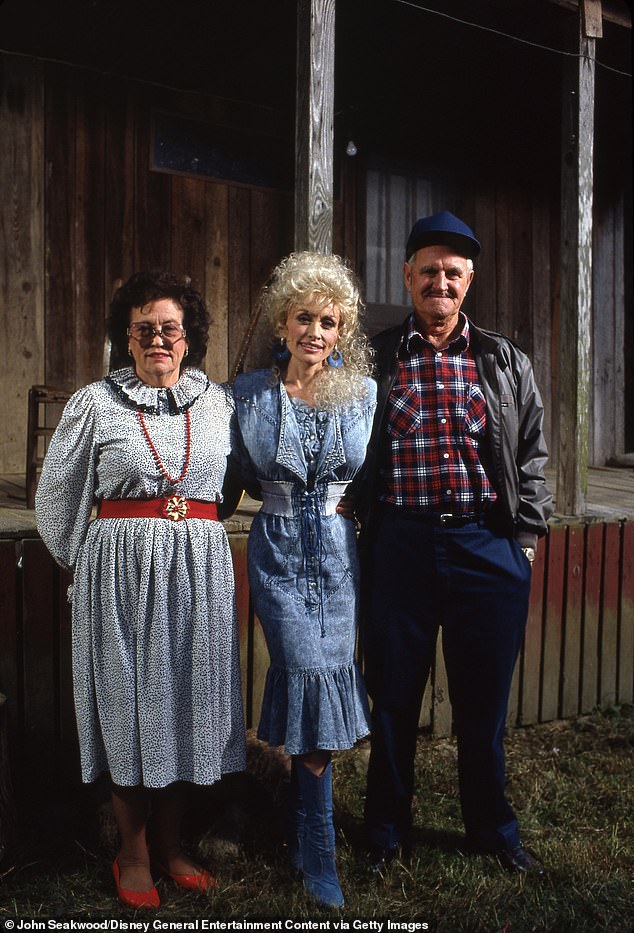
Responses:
[240,463]
[64,497]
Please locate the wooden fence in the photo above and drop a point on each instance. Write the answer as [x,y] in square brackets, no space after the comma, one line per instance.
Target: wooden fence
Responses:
[578,651]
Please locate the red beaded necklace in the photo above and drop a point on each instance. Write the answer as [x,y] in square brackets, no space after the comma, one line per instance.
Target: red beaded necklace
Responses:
[155,453]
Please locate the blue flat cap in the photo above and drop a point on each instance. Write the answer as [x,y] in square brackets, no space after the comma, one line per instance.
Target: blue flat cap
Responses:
[443,229]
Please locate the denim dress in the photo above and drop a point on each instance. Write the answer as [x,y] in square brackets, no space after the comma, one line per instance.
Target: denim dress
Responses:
[302,559]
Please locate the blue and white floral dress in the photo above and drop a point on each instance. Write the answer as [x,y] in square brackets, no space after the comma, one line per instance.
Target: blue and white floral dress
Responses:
[302,559]
[156,664]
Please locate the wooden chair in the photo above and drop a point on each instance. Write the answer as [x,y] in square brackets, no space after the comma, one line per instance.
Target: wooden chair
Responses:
[40,427]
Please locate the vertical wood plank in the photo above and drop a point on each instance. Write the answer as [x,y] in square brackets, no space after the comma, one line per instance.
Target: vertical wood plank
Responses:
[541,314]
[238,545]
[625,683]
[314,123]
[217,280]
[609,637]
[513,708]
[504,266]
[441,709]
[59,225]
[9,671]
[513,273]
[360,225]
[485,286]
[119,182]
[608,334]
[552,386]
[21,248]
[188,229]
[572,631]
[554,604]
[254,656]
[240,303]
[63,613]
[41,700]
[259,670]
[532,651]
[88,210]
[345,233]
[576,274]
[591,616]
[152,201]
[425,717]
[270,240]
[619,312]
[604,351]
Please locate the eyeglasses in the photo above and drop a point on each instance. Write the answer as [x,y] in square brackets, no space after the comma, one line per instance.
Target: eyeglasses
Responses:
[145,332]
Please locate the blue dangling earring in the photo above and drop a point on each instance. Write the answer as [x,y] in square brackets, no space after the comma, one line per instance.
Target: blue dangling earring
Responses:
[335,359]
[281,353]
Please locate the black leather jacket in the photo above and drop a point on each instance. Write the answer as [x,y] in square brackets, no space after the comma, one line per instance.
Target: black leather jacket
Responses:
[517,451]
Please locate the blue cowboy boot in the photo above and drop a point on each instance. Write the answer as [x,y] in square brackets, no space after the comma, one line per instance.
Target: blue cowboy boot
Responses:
[297,819]
[318,846]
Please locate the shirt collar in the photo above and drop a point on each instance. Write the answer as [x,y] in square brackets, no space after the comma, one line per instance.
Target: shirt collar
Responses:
[414,338]
[175,399]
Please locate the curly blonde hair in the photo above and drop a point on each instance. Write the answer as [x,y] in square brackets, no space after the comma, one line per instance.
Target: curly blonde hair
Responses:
[310,276]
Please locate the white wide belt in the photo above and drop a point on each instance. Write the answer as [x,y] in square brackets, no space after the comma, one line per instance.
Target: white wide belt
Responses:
[279,498]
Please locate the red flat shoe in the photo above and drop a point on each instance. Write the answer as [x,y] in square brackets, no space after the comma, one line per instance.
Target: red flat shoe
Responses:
[134,899]
[199,881]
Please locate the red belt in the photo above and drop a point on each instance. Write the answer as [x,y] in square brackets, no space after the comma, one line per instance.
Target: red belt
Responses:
[175,508]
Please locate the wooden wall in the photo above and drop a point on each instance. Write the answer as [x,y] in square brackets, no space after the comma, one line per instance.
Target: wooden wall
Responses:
[578,652]
[81,210]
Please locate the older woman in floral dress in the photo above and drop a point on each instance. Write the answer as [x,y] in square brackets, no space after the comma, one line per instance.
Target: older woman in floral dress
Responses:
[155,654]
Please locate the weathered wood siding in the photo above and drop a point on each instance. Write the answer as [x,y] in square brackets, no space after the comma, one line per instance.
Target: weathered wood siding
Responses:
[21,249]
[82,209]
[578,651]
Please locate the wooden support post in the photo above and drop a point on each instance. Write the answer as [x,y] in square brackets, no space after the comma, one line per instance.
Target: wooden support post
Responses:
[314,125]
[576,271]
[592,19]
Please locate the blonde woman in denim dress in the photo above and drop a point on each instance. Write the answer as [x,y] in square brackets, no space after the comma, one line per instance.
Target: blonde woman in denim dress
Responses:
[301,435]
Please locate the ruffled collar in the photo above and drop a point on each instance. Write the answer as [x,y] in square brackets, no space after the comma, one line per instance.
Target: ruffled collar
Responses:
[175,400]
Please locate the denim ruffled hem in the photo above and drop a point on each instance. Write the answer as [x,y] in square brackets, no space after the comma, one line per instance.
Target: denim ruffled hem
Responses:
[307,710]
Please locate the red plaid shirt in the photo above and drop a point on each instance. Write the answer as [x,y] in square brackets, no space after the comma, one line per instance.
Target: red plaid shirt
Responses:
[436,421]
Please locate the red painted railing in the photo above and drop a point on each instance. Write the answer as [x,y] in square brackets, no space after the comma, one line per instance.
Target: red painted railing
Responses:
[578,652]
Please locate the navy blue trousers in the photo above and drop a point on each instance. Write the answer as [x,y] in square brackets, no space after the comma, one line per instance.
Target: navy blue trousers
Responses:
[474,586]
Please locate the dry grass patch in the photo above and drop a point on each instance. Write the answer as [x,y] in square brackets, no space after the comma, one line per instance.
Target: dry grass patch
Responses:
[571,784]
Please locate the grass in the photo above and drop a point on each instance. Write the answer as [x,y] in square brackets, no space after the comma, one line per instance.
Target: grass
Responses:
[570,782]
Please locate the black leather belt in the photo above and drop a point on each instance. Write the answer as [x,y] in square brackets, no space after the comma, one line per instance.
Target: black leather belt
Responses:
[445,519]
[448,520]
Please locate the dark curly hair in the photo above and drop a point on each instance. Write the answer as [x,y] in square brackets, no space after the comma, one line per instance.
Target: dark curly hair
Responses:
[144,287]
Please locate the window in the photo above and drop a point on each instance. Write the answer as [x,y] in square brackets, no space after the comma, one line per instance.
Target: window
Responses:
[395,199]
[193,147]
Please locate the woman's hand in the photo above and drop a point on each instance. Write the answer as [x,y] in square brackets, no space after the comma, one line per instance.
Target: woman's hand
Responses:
[346,506]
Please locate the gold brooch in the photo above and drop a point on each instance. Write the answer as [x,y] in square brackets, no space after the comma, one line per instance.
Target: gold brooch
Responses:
[176,508]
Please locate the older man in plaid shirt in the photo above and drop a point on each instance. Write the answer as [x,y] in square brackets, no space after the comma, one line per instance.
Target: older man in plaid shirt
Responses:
[453,502]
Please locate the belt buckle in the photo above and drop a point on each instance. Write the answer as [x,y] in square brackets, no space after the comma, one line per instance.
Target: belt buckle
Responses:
[176,508]
[446,518]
